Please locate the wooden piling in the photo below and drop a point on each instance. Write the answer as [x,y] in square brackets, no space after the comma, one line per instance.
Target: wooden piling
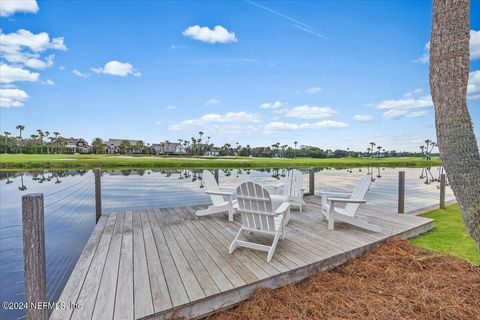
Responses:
[98,194]
[33,222]
[311,182]
[443,184]
[401,192]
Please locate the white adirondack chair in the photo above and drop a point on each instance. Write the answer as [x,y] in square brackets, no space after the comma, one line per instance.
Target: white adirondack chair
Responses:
[258,216]
[352,201]
[219,203]
[292,191]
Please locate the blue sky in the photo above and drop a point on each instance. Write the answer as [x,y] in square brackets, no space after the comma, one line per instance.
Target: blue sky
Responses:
[333,74]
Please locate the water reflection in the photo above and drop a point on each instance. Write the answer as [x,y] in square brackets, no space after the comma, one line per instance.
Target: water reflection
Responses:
[428,174]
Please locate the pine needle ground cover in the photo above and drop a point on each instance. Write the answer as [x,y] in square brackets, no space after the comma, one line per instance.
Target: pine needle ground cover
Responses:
[397,280]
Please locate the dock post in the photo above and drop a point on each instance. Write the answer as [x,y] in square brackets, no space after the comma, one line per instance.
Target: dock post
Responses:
[215,174]
[311,182]
[34,275]
[98,194]
[401,192]
[443,183]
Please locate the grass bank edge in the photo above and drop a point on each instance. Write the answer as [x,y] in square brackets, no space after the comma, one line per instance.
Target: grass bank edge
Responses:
[449,235]
[25,162]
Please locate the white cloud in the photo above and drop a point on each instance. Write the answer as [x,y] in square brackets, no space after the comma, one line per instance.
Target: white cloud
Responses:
[394,114]
[272,105]
[36,63]
[313,90]
[416,114]
[9,74]
[25,48]
[310,112]
[216,35]
[425,57]
[24,39]
[473,88]
[214,118]
[170,107]
[277,126]
[474,44]
[49,82]
[79,74]
[363,117]
[212,102]
[10,7]
[117,68]
[411,105]
[12,97]
[474,48]
[407,102]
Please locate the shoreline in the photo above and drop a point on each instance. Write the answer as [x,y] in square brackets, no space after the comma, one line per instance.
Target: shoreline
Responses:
[11,162]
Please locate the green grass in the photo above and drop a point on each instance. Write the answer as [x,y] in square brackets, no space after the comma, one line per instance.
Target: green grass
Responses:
[63,161]
[449,235]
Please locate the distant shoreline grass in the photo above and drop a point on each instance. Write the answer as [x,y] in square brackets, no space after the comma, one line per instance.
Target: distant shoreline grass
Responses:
[449,235]
[89,161]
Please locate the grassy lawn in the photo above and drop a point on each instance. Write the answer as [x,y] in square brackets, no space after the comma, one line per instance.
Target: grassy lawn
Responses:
[60,161]
[449,235]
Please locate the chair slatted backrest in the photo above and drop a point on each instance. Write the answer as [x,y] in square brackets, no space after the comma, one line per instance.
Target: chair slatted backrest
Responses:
[293,184]
[212,185]
[358,193]
[255,207]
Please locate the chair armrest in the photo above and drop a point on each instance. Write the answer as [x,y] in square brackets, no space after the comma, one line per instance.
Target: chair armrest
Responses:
[342,200]
[219,193]
[333,193]
[282,208]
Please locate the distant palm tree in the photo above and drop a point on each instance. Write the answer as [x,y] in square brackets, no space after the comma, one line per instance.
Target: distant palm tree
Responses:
[372,144]
[47,133]
[56,134]
[6,133]
[98,145]
[40,136]
[20,128]
[295,143]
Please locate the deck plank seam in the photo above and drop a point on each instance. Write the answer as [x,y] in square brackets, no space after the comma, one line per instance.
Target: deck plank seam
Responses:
[146,260]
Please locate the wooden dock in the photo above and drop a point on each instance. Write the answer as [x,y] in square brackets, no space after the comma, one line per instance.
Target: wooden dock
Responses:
[166,262]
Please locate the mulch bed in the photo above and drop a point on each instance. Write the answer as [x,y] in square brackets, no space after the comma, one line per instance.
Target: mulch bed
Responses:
[394,281]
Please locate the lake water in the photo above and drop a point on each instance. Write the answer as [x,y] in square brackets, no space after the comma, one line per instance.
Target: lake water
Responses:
[70,210]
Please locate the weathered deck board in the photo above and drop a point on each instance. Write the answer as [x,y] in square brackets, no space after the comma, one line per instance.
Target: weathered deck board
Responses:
[166,262]
[104,305]
[143,303]
[89,291]
[124,292]
[160,296]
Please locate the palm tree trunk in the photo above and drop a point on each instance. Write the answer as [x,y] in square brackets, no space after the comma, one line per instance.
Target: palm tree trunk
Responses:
[449,69]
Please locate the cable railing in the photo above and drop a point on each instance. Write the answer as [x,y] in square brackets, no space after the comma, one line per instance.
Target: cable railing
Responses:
[68,216]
